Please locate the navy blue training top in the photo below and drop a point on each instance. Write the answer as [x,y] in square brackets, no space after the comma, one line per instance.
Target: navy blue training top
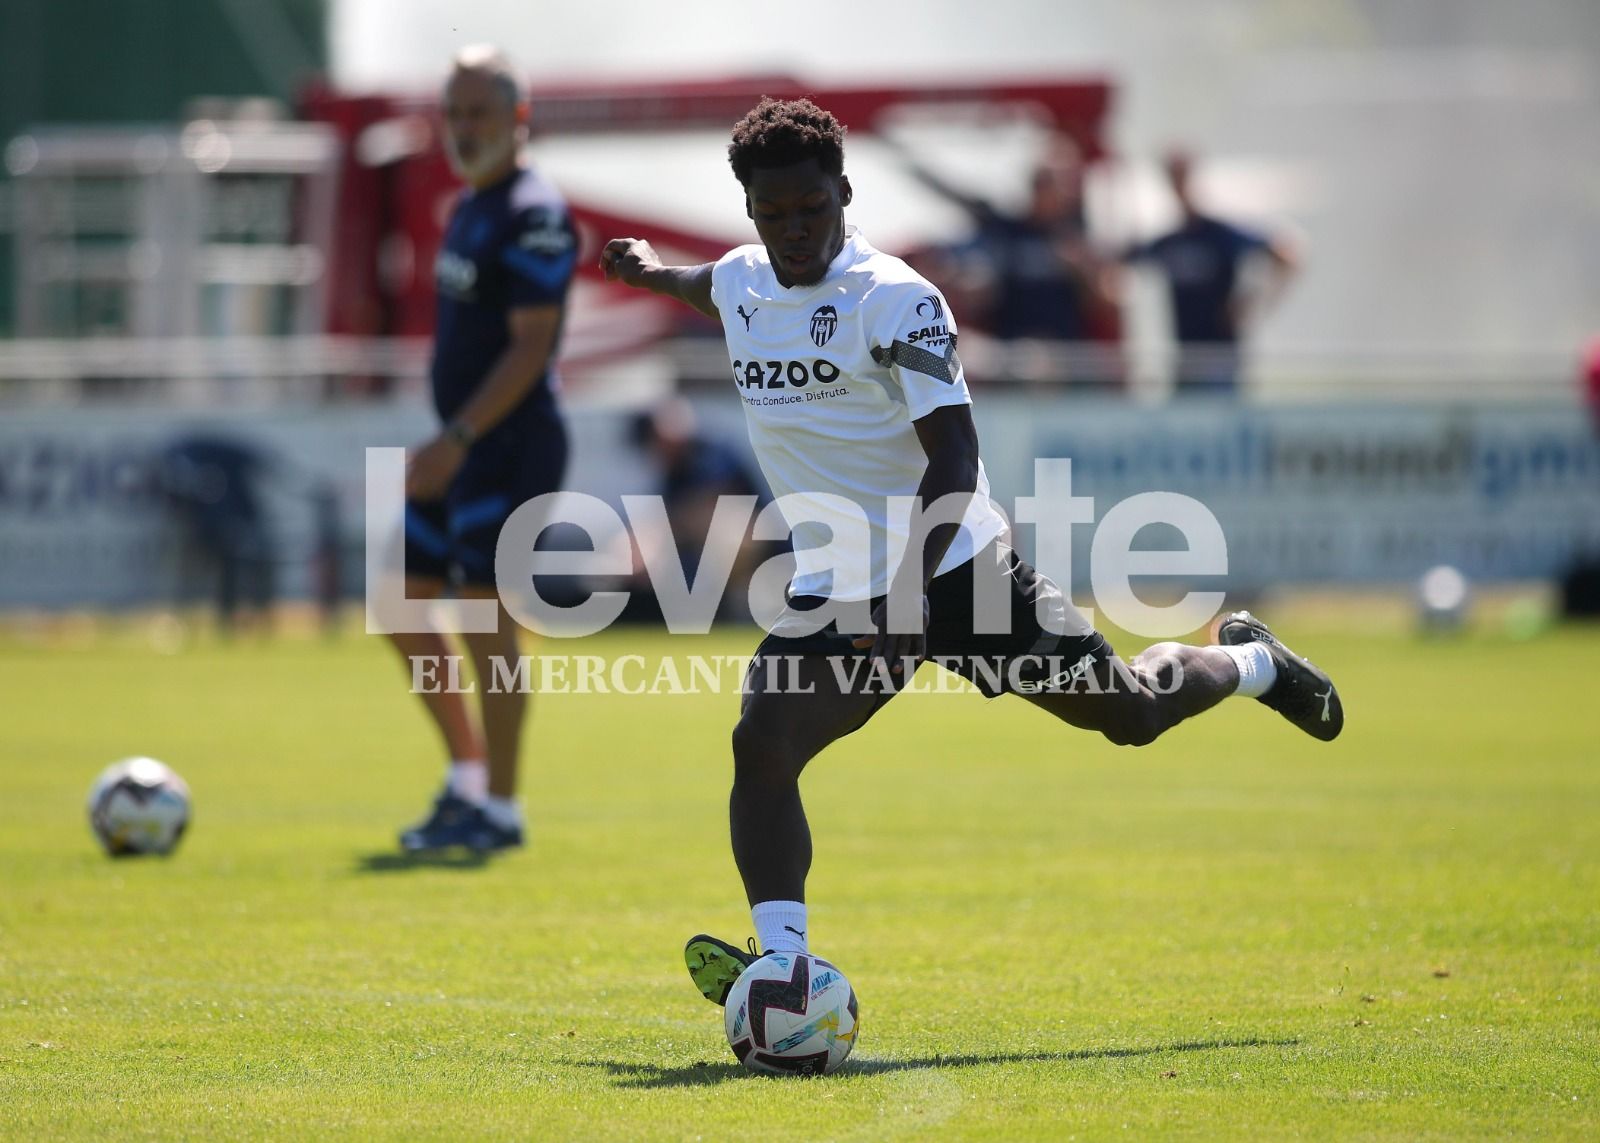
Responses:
[1201,261]
[508,245]
[1037,294]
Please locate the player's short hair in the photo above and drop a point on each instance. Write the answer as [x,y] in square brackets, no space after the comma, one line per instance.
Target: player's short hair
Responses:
[489,61]
[780,133]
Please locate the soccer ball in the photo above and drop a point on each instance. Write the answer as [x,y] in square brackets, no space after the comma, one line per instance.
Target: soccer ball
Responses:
[138,806]
[791,1014]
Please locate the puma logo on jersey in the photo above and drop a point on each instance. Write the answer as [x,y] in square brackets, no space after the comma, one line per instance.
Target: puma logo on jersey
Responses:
[747,316]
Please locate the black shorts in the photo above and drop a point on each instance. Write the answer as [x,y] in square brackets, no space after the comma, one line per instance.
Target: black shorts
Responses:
[1029,640]
[454,539]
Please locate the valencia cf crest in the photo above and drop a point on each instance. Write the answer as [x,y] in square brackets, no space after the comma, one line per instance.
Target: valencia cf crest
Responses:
[823,322]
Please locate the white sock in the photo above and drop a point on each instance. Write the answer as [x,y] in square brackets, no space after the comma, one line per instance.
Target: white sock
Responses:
[468,778]
[504,813]
[780,926]
[1257,671]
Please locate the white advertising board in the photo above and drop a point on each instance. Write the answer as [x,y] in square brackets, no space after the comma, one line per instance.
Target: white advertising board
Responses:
[1305,495]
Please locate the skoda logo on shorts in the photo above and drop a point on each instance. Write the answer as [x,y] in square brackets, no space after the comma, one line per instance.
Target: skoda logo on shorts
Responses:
[823,322]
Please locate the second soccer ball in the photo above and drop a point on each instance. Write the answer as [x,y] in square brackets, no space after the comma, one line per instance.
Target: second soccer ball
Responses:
[138,806]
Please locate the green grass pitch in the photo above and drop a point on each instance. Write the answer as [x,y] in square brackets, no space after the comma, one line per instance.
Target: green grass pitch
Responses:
[1235,933]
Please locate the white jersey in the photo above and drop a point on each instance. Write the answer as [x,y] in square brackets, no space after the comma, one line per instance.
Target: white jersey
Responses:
[832,377]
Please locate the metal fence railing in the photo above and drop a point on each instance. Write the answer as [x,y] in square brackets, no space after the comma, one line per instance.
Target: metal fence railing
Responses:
[197,372]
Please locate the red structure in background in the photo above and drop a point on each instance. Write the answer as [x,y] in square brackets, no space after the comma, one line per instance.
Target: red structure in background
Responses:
[396,187]
[1590,379]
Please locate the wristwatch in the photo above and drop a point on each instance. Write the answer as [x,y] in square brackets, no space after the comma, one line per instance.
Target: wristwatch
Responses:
[460,432]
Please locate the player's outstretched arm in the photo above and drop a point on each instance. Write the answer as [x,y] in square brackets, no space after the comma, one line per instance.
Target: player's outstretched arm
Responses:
[633,262]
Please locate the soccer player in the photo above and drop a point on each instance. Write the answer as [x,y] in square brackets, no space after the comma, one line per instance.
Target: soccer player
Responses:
[813,309]
[502,276]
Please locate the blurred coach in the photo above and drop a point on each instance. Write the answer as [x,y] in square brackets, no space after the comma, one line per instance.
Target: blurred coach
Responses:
[502,276]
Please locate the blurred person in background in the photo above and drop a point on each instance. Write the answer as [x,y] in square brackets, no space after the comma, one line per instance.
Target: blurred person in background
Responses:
[1590,378]
[1204,262]
[214,485]
[501,275]
[695,471]
[1037,277]
[1580,581]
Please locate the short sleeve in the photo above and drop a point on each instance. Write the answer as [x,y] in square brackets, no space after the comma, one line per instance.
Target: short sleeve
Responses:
[1244,240]
[721,274]
[539,253]
[913,335]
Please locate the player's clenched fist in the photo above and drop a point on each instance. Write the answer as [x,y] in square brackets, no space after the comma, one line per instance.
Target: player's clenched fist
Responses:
[634,262]
[628,260]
